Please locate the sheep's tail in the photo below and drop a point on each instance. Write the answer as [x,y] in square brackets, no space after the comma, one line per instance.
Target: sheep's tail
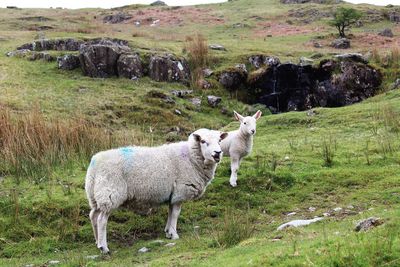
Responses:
[89,183]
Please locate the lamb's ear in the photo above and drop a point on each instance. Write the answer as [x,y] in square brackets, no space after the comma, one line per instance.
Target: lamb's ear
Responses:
[223,136]
[257,115]
[238,116]
[197,137]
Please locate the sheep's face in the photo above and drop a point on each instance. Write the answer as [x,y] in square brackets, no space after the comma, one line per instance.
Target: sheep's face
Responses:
[248,124]
[209,142]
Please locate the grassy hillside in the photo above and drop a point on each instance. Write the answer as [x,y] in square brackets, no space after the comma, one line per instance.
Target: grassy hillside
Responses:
[310,162]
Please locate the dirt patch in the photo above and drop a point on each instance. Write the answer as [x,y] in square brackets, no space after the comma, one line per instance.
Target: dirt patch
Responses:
[174,17]
[283,29]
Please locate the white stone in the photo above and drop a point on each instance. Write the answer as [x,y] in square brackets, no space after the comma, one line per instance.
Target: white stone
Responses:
[143,250]
[297,223]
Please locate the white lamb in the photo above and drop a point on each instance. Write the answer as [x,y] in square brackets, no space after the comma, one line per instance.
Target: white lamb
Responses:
[239,143]
[146,176]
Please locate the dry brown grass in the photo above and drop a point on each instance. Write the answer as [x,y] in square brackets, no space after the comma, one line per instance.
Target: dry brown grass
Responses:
[197,49]
[394,57]
[31,145]
[376,56]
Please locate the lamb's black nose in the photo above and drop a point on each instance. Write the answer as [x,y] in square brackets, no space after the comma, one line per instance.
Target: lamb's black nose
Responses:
[217,152]
[253,131]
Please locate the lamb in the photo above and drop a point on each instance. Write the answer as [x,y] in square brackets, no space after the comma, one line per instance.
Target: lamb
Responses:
[148,176]
[239,143]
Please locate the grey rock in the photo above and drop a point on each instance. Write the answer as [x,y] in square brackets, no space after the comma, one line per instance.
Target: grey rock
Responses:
[168,68]
[207,72]
[143,250]
[170,244]
[317,45]
[259,61]
[158,3]
[241,67]
[217,47]
[298,223]
[181,93]
[92,257]
[232,79]
[68,62]
[386,32]
[394,16]
[396,84]
[306,61]
[40,55]
[196,101]
[356,57]
[129,66]
[367,224]
[341,43]
[213,101]
[53,262]
[18,53]
[117,18]
[178,112]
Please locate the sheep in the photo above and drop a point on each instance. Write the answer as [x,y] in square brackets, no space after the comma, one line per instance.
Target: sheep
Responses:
[150,176]
[239,143]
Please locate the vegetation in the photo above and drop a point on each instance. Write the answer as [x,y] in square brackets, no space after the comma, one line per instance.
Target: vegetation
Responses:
[344,18]
[342,157]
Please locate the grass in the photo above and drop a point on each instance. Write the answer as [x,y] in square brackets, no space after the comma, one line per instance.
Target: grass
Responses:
[342,157]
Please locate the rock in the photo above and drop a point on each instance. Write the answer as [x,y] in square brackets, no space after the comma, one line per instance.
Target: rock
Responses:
[232,79]
[291,213]
[158,3]
[386,32]
[367,224]
[129,66]
[298,223]
[341,43]
[396,84]
[326,214]
[181,93]
[116,18]
[394,16]
[68,62]
[68,44]
[317,45]
[157,94]
[41,55]
[168,68]
[28,46]
[305,61]
[207,73]
[143,250]
[53,262]
[272,61]
[217,47]
[337,209]
[18,53]
[353,57]
[213,101]
[178,112]
[196,101]
[312,209]
[259,61]
[170,244]
[100,60]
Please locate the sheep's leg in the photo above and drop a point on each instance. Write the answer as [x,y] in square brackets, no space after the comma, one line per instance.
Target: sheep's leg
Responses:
[102,231]
[235,162]
[176,210]
[167,226]
[94,215]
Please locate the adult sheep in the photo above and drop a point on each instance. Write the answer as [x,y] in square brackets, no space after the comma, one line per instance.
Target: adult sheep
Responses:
[147,176]
[240,142]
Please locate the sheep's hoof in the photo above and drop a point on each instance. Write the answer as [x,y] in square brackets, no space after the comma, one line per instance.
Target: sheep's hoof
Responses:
[168,235]
[171,236]
[233,184]
[175,237]
[104,251]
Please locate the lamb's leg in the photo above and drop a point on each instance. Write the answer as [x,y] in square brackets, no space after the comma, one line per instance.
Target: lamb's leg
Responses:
[94,215]
[176,210]
[102,231]
[167,226]
[235,162]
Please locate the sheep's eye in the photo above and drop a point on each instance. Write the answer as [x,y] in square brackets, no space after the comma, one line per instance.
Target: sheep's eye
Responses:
[244,123]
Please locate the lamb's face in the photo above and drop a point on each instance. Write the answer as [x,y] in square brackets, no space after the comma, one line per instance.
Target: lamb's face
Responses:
[210,144]
[248,124]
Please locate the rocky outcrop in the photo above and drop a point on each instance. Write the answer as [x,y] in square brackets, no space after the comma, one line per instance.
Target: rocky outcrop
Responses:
[158,3]
[259,61]
[213,100]
[288,86]
[116,18]
[68,62]
[394,16]
[168,68]
[130,66]
[341,43]
[233,79]
[100,59]
[386,32]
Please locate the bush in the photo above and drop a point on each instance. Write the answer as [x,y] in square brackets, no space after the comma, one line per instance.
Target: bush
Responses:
[344,18]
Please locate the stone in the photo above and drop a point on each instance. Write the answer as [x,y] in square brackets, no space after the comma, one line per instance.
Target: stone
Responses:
[298,223]
[305,61]
[217,47]
[92,257]
[207,72]
[196,101]
[357,57]
[317,45]
[367,224]
[178,112]
[291,213]
[68,62]
[337,209]
[213,101]
[259,61]
[386,32]
[181,93]
[312,209]
[18,53]
[232,79]
[158,3]
[53,262]
[130,66]
[394,16]
[40,55]
[168,68]
[396,84]
[100,59]
[170,244]
[117,18]
[341,43]
[143,250]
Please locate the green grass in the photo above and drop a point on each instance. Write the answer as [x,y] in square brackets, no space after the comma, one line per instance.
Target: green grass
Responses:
[287,171]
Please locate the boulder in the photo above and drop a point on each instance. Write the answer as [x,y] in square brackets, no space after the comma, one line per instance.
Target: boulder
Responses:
[116,18]
[158,3]
[396,84]
[367,224]
[357,57]
[217,47]
[130,66]
[68,62]
[40,55]
[259,61]
[68,44]
[213,101]
[18,53]
[386,32]
[341,43]
[303,61]
[233,79]
[168,68]
[100,59]
[394,16]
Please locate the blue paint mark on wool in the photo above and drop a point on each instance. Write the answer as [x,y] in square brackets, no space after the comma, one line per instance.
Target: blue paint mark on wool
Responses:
[127,153]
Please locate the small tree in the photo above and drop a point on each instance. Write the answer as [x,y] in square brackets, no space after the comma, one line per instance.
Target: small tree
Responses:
[343,18]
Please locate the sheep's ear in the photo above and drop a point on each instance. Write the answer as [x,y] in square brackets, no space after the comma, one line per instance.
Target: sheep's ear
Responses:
[197,137]
[257,115]
[223,136]
[238,116]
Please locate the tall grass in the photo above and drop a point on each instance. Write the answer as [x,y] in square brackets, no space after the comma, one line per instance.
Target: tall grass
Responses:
[30,145]
[197,49]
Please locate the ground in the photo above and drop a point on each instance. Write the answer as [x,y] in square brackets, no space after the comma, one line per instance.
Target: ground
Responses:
[342,157]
